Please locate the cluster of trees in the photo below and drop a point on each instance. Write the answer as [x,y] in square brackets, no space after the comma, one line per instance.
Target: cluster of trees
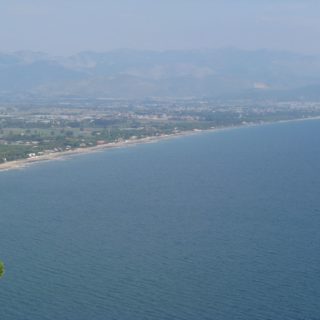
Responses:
[1,269]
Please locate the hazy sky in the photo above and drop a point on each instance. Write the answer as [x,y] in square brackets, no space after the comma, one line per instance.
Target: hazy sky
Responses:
[69,26]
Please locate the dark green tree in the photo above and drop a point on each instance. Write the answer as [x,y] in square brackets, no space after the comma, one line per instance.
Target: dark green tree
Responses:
[1,269]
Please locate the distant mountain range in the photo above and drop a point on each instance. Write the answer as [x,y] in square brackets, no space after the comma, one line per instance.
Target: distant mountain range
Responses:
[224,73]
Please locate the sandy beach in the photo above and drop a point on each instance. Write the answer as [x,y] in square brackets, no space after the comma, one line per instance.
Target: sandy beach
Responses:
[20,164]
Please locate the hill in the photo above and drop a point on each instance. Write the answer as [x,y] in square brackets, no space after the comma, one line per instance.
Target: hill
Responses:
[129,74]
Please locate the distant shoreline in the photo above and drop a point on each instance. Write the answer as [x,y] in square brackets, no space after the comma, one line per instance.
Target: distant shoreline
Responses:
[23,163]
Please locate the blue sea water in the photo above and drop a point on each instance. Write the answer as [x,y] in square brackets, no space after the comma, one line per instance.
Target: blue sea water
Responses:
[221,225]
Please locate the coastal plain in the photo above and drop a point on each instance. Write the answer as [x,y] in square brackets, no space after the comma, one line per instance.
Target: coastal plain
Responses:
[30,132]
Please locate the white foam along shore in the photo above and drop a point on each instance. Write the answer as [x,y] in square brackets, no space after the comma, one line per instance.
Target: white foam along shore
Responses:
[22,163]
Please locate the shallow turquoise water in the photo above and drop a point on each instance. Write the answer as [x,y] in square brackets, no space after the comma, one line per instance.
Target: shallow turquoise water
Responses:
[213,226]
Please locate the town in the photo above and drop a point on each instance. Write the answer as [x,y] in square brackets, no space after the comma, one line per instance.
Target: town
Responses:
[33,129]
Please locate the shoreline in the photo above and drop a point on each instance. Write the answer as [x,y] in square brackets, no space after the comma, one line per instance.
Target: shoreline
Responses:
[23,163]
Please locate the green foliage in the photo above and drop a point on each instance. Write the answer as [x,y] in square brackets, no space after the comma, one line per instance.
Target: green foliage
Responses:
[35,131]
[1,269]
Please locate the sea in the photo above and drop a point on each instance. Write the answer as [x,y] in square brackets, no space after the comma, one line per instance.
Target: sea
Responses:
[213,226]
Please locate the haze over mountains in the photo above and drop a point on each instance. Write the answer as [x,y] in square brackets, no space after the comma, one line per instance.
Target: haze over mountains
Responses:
[223,73]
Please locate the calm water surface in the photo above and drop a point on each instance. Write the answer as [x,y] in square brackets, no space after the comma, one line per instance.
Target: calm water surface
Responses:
[213,226]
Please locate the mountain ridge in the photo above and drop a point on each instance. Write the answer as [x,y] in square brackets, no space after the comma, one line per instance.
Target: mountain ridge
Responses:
[140,74]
